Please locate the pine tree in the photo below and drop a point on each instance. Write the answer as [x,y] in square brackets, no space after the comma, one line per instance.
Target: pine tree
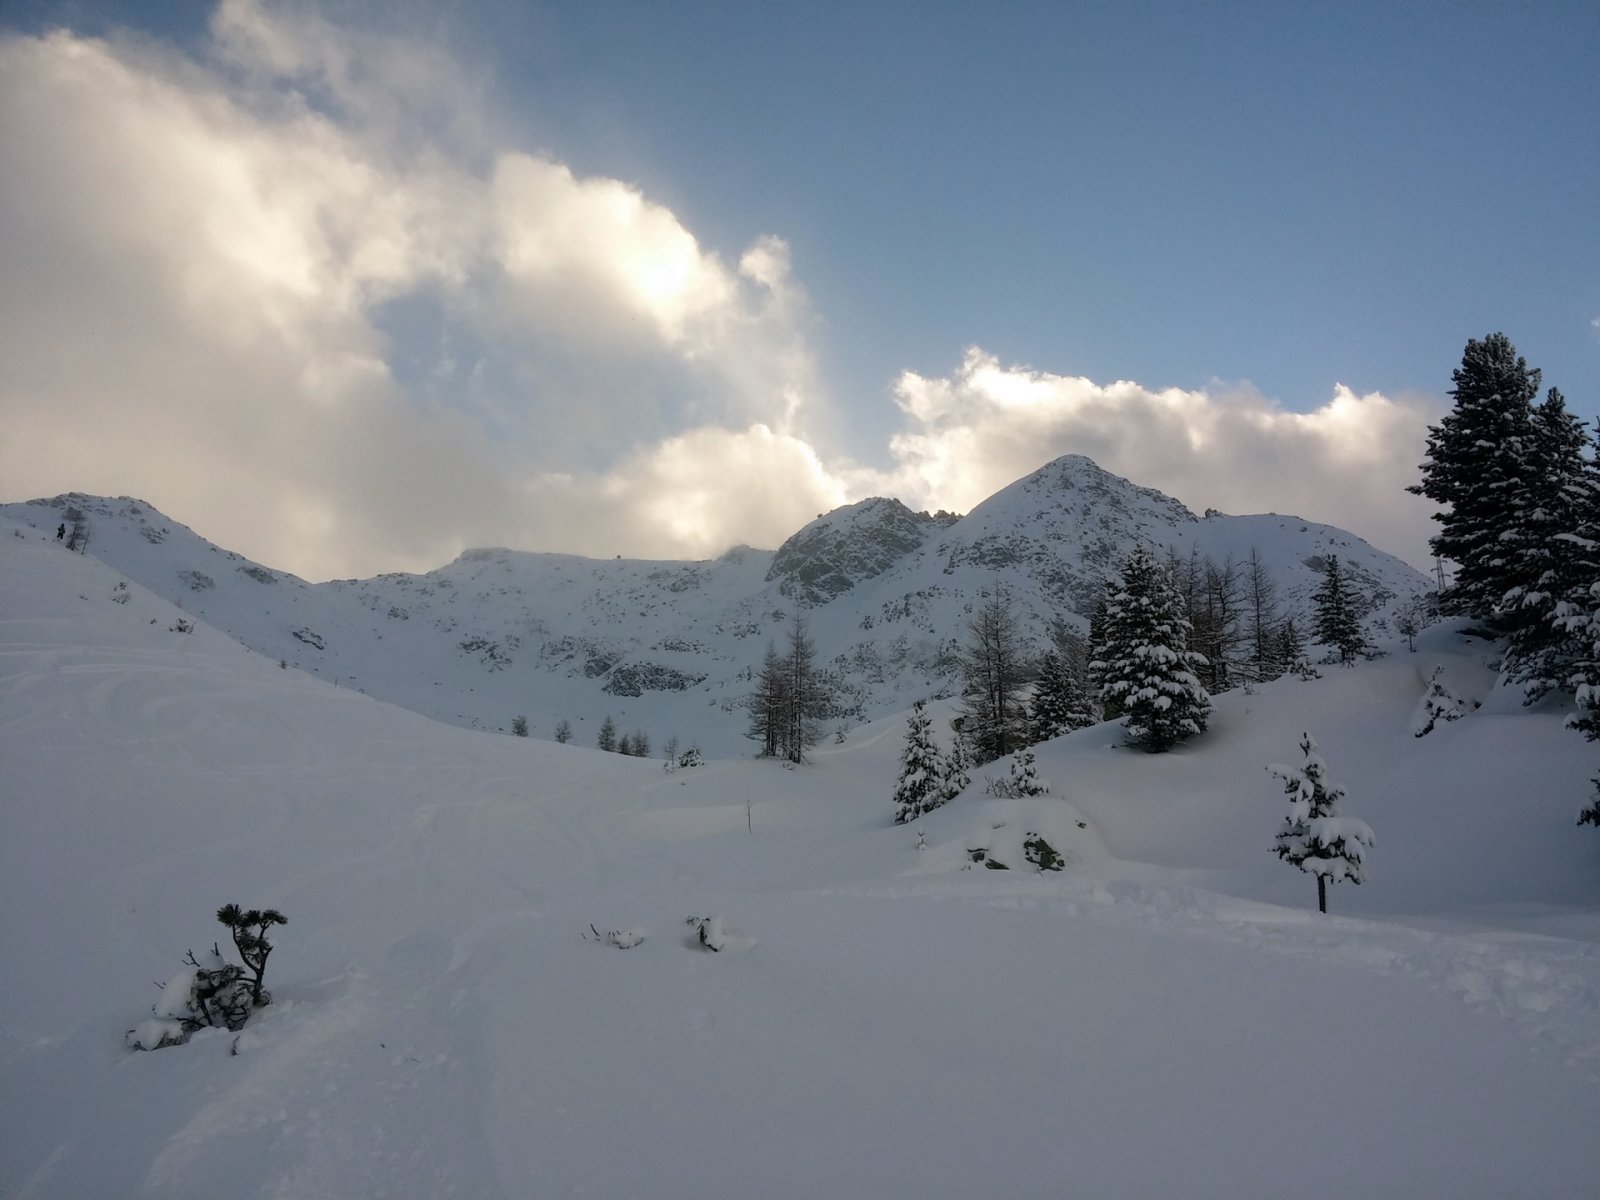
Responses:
[957,770]
[1146,666]
[563,731]
[1313,836]
[607,738]
[1478,461]
[1553,502]
[992,672]
[625,745]
[519,726]
[1338,618]
[641,744]
[1024,777]
[920,788]
[1060,700]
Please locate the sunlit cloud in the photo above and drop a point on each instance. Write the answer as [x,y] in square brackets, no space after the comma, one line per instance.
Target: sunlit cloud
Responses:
[291,292]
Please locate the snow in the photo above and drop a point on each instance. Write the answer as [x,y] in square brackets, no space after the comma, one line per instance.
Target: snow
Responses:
[895,1022]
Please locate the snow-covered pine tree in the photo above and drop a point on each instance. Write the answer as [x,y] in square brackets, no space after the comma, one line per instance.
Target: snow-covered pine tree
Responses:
[1024,778]
[1438,703]
[1060,701]
[1556,499]
[1478,460]
[1146,667]
[1313,836]
[920,788]
[1338,619]
[957,770]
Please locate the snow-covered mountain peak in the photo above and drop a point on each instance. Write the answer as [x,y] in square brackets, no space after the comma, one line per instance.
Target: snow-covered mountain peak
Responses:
[847,546]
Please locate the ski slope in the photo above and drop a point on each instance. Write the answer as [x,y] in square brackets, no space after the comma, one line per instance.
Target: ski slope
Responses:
[1167,1016]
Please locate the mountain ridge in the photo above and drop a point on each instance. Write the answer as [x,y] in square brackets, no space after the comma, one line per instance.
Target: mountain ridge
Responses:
[668,645]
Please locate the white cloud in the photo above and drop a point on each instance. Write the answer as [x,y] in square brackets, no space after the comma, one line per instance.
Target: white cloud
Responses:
[1345,463]
[199,260]
[196,262]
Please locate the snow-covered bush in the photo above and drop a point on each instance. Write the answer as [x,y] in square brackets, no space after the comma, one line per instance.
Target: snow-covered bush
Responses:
[1313,836]
[920,788]
[210,991]
[1438,703]
[1023,779]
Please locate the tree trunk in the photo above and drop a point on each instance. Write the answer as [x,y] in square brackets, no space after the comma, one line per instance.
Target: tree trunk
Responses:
[1322,893]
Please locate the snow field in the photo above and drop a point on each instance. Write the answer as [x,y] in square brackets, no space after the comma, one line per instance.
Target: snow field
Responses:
[1168,1016]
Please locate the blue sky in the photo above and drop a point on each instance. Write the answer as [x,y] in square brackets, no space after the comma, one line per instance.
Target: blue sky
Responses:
[1245,204]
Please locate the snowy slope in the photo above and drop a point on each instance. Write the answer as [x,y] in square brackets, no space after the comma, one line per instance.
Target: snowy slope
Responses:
[1165,1017]
[667,647]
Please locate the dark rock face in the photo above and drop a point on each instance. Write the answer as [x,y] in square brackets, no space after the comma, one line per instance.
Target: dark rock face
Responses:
[847,546]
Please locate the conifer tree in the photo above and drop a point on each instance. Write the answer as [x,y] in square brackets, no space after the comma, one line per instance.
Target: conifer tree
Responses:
[1313,836]
[805,699]
[1338,621]
[992,673]
[1261,620]
[920,788]
[1552,504]
[1146,667]
[607,738]
[1024,778]
[1478,460]
[1060,700]
[768,704]
[957,770]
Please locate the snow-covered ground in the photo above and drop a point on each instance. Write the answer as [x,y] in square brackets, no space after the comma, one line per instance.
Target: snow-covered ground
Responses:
[1168,1016]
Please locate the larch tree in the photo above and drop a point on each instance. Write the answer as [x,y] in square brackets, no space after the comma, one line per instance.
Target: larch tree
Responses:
[1146,668]
[1313,836]
[993,678]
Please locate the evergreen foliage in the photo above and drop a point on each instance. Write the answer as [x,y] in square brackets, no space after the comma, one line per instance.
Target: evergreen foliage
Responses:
[1060,700]
[1313,836]
[920,788]
[1024,779]
[563,731]
[1338,615]
[607,737]
[1146,668]
[957,770]
[1480,457]
[519,726]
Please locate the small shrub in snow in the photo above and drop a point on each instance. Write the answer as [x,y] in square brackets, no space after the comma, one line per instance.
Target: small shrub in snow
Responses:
[212,992]
[519,726]
[622,939]
[1438,703]
[708,932]
[691,757]
[1313,836]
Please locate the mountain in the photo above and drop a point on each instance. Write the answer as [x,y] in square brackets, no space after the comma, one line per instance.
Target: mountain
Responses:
[668,647]
[1162,1017]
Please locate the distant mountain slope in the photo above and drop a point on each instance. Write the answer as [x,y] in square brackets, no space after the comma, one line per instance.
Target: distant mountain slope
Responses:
[668,647]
